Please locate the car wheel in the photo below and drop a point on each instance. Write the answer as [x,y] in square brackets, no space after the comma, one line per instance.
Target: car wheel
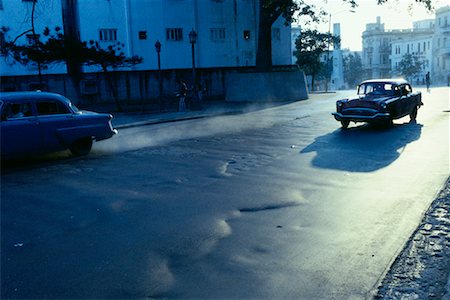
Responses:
[81,146]
[389,122]
[413,114]
[345,124]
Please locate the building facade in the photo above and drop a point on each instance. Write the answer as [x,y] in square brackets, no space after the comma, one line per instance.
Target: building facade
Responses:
[376,45]
[418,42]
[429,40]
[441,44]
[227,31]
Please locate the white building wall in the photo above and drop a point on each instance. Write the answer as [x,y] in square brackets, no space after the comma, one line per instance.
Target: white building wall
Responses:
[281,43]
[441,44]
[227,30]
[418,44]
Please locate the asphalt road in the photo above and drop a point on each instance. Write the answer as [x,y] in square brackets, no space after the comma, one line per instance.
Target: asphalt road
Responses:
[278,203]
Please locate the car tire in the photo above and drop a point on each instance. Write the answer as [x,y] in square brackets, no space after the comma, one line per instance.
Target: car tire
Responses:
[413,114]
[81,146]
[389,123]
[344,124]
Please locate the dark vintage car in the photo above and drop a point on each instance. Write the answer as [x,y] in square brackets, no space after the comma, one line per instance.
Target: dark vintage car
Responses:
[379,101]
[41,122]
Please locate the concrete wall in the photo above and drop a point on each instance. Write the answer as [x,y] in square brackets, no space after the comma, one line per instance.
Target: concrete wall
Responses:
[270,86]
[131,86]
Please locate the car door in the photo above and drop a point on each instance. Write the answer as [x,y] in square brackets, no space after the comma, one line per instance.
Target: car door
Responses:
[53,115]
[410,100]
[407,101]
[19,130]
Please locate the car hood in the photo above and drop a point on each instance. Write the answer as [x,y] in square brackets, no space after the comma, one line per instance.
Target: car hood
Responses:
[367,101]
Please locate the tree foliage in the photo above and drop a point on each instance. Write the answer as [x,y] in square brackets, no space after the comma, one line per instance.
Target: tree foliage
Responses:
[58,48]
[310,46]
[353,70]
[292,10]
[410,65]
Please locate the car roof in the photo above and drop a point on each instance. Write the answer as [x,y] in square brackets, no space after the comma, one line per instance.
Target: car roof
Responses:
[27,95]
[390,80]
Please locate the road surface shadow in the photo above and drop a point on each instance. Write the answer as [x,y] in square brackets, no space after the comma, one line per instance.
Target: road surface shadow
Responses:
[365,148]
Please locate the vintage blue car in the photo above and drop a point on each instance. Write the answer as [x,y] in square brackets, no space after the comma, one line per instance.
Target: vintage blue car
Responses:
[379,101]
[41,122]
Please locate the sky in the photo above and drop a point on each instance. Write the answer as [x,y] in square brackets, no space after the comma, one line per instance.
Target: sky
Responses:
[395,14]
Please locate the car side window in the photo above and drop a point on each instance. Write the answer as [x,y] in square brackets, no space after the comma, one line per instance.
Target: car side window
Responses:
[408,89]
[16,111]
[51,108]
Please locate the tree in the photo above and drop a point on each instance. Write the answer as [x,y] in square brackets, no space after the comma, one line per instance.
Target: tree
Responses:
[353,70]
[291,10]
[410,65]
[59,48]
[310,45]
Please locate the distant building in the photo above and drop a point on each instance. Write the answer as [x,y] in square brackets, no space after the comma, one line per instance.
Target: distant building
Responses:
[377,49]
[295,34]
[428,39]
[417,42]
[337,75]
[441,46]
[227,30]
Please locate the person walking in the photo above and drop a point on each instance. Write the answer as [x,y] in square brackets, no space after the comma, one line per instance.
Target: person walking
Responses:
[427,81]
[182,94]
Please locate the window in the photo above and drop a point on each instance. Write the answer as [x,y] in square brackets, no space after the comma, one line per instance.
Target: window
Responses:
[16,111]
[276,34]
[217,34]
[32,40]
[142,35]
[174,34]
[108,35]
[246,34]
[51,108]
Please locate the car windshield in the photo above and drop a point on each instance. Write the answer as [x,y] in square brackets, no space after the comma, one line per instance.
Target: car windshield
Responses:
[376,89]
[74,108]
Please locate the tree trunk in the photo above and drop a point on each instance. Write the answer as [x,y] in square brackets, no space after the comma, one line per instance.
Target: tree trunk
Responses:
[264,51]
[113,89]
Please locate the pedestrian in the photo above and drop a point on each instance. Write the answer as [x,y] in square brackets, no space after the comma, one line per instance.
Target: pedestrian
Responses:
[427,80]
[200,95]
[182,92]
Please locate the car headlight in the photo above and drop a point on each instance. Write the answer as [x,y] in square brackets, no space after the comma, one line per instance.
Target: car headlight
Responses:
[383,105]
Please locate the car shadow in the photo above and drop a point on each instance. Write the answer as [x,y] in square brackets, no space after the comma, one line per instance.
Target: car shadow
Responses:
[365,148]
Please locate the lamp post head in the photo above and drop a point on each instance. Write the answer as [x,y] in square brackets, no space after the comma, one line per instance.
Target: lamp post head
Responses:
[192,36]
[158,46]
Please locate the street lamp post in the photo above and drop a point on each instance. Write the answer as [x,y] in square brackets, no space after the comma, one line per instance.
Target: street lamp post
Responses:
[193,40]
[158,51]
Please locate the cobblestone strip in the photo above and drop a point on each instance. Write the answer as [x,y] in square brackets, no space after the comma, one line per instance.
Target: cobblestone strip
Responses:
[421,271]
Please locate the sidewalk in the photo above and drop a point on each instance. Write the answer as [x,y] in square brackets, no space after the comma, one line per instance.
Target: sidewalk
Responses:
[123,120]
[421,270]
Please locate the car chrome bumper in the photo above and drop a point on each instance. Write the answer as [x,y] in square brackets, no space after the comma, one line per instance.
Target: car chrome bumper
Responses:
[362,118]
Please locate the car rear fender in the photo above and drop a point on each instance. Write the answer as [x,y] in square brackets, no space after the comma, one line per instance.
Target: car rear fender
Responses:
[68,136]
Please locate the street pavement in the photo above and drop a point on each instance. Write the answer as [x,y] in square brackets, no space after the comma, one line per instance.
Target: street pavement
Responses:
[420,271]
